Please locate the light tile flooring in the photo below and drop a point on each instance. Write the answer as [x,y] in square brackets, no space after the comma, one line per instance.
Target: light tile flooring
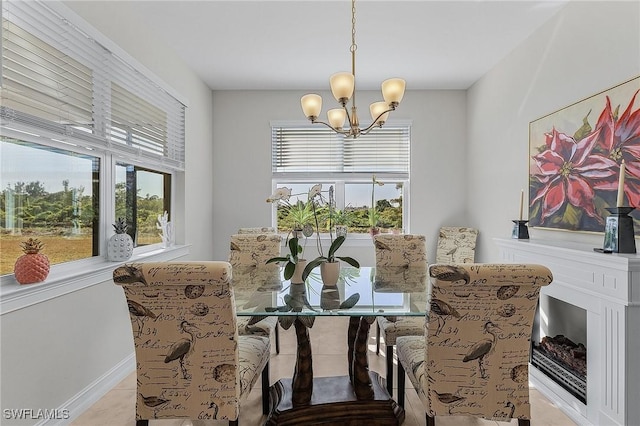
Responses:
[328,337]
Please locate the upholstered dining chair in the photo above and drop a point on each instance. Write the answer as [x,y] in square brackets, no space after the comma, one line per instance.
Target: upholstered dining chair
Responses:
[252,250]
[257,230]
[191,362]
[398,250]
[473,359]
[456,244]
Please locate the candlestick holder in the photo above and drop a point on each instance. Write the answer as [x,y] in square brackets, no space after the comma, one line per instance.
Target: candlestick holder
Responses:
[520,230]
[619,236]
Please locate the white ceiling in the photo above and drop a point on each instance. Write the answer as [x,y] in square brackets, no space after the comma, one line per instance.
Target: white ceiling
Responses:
[298,44]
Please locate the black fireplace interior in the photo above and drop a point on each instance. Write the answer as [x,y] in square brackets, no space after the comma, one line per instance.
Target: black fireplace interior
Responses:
[558,345]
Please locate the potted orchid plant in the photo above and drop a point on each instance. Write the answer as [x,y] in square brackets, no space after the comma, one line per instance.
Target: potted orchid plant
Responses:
[329,263]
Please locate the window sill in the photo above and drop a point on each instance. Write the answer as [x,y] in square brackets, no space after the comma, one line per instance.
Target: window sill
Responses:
[73,276]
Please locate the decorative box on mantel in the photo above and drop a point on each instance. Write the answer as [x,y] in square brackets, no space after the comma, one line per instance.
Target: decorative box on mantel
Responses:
[607,287]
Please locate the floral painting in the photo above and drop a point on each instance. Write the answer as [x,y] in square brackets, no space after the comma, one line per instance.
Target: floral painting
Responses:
[575,157]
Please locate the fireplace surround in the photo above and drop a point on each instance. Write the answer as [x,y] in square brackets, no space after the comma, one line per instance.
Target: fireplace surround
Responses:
[607,288]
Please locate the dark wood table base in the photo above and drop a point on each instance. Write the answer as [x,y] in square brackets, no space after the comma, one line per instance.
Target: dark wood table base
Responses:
[334,403]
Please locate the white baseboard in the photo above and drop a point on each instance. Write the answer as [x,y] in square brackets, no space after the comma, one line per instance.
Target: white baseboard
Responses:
[88,396]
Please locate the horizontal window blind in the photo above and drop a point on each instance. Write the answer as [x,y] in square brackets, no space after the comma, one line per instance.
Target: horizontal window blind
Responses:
[314,149]
[56,79]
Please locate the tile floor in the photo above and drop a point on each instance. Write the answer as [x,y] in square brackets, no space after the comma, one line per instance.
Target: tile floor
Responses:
[117,407]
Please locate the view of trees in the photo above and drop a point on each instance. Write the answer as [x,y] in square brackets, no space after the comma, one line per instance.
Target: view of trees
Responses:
[356,218]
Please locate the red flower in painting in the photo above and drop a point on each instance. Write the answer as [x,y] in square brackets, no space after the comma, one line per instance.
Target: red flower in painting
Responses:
[570,171]
[620,139]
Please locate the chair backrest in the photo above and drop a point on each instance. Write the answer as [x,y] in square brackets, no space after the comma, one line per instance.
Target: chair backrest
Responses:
[185,335]
[258,230]
[456,244]
[253,249]
[400,250]
[478,339]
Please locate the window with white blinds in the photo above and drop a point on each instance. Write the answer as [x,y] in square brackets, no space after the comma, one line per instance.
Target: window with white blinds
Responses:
[58,80]
[316,149]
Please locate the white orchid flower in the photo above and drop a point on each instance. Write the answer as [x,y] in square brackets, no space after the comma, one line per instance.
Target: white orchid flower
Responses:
[315,190]
[283,194]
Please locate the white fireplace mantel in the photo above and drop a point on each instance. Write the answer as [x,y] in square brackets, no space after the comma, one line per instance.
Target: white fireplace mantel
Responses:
[607,287]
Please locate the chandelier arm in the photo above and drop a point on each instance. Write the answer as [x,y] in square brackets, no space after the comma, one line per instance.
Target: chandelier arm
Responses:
[375,122]
[342,132]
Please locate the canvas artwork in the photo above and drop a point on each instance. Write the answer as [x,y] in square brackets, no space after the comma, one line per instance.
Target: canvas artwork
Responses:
[575,156]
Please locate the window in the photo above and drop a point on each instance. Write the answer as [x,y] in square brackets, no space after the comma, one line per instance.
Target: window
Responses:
[305,155]
[141,196]
[84,138]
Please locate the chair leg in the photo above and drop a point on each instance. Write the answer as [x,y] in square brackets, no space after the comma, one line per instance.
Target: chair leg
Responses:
[390,370]
[400,385]
[265,389]
[431,421]
[277,339]
[524,422]
[233,422]
[377,338]
[142,422]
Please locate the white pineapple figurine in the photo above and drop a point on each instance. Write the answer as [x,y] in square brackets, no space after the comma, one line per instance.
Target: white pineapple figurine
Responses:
[120,245]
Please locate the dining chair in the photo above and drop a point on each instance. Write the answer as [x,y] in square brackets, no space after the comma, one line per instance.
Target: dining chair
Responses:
[456,244]
[257,230]
[398,250]
[191,362]
[252,250]
[473,359]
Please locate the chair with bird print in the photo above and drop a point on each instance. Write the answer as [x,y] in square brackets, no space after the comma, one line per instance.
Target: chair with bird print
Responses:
[478,363]
[250,251]
[455,245]
[191,362]
[398,250]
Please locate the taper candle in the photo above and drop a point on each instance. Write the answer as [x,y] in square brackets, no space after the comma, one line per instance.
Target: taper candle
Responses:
[521,202]
[620,200]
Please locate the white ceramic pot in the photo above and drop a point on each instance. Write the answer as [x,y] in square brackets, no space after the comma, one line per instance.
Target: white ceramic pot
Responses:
[330,272]
[297,273]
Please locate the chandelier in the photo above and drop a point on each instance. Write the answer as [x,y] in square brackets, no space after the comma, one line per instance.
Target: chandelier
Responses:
[343,89]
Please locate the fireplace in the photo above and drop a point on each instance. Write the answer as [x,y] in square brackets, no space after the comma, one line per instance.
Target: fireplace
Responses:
[594,299]
[554,351]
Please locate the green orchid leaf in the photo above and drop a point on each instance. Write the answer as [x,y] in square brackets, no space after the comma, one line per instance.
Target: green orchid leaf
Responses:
[293,246]
[277,259]
[335,245]
[350,260]
[351,301]
[307,321]
[288,270]
[314,263]
[286,322]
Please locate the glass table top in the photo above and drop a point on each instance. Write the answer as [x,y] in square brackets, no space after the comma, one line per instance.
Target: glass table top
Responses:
[388,291]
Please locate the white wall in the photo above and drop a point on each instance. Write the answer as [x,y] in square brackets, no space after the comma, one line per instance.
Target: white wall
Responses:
[242,160]
[53,351]
[587,48]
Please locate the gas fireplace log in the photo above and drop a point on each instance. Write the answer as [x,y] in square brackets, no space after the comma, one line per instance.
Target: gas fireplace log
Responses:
[572,355]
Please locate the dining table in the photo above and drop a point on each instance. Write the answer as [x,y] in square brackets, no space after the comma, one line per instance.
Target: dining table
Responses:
[361,294]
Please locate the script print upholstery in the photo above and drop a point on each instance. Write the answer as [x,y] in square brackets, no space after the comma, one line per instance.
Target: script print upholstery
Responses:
[248,254]
[190,361]
[456,244]
[258,230]
[476,364]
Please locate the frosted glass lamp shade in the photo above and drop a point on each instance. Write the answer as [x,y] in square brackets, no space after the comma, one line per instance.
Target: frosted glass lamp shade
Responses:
[378,108]
[311,105]
[393,90]
[337,117]
[342,84]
